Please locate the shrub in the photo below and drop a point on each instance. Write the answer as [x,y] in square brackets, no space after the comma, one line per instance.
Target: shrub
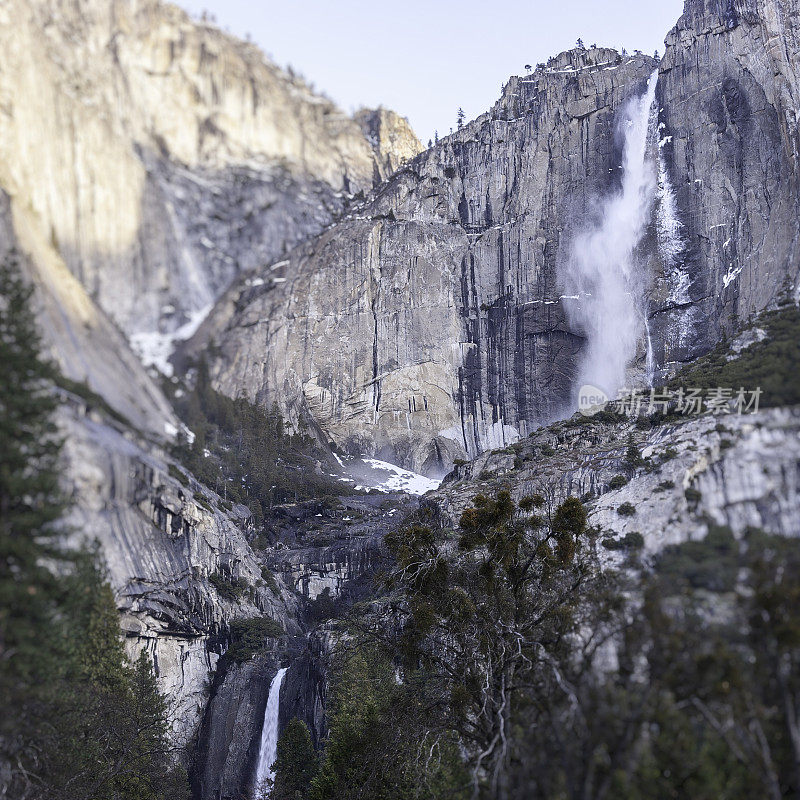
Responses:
[270,580]
[249,636]
[325,606]
[547,450]
[175,473]
[202,502]
[770,364]
[665,485]
[710,564]
[693,496]
[617,482]
[633,458]
[229,588]
[529,502]
[631,541]
[626,510]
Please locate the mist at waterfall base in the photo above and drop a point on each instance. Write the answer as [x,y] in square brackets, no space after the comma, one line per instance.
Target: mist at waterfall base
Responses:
[268,751]
[605,273]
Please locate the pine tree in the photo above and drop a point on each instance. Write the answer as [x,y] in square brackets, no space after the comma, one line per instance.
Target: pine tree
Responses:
[77,720]
[461,116]
[296,762]
[30,500]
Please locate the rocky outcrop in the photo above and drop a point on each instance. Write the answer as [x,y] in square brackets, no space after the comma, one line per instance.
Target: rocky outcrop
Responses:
[334,546]
[392,138]
[739,471]
[160,156]
[428,324]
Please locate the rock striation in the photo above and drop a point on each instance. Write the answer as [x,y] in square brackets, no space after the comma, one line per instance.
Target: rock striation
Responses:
[431,322]
[729,96]
[428,324]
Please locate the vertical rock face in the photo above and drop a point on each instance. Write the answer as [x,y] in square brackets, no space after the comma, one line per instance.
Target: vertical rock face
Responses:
[160,156]
[229,740]
[729,97]
[428,324]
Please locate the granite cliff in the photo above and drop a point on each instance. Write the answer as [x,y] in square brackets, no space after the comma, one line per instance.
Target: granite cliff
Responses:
[410,305]
[160,156]
[433,322]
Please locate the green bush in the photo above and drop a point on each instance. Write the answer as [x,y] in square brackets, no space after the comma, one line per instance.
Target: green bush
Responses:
[249,636]
[202,502]
[770,364]
[617,482]
[270,580]
[711,563]
[626,510]
[631,541]
[178,475]
[229,588]
[665,485]
[693,497]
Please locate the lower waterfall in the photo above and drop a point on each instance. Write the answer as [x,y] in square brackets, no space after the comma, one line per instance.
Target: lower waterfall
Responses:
[604,269]
[269,739]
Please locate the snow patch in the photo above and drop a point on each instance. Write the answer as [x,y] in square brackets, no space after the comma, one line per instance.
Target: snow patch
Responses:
[730,276]
[155,348]
[395,479]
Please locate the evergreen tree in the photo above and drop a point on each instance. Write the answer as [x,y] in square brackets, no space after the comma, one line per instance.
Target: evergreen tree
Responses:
[296,762]
[30,500]
[78,721]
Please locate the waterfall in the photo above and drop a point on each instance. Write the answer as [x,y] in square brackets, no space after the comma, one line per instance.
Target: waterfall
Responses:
[604,268]
[269,738]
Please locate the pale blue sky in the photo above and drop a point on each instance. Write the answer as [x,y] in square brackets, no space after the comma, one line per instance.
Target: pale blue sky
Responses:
[425,58]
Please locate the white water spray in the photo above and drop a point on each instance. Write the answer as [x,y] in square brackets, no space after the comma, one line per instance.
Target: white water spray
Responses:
[604,269]
[269,737]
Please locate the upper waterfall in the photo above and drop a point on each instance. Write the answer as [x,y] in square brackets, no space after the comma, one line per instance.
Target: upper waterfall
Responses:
[604,268]
[269,739]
